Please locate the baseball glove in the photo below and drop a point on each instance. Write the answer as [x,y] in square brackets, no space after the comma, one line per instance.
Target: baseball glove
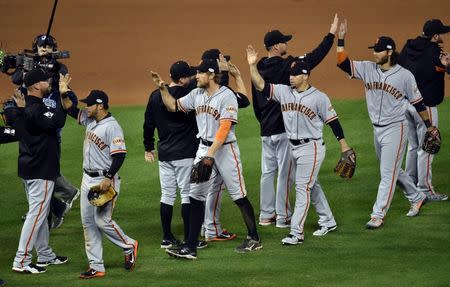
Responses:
[98,197]
[201,171]
[432,141]
[346,165]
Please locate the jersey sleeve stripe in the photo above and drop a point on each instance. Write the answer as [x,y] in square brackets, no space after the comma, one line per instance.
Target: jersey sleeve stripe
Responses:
[118,151]
[229,119]
[331,119]
[353,69]
[79,117]
[271,92]
[181,106]
[416,101]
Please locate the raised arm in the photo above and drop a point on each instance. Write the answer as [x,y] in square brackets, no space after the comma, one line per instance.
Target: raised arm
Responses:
[168,100]
[343,62]
[252,58]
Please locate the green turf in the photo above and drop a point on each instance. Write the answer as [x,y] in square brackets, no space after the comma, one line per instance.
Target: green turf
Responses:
[406,252]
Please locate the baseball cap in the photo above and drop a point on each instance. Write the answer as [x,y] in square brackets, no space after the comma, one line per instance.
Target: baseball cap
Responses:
[274,37]
[208,65]
[181,69]
[41,39]
[299,67]
[213,54]
[383,43]
[35,76]
[433,27]
[95,97]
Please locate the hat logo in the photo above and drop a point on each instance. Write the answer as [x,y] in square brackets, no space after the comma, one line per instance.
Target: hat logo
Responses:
[304,71]
[43,37]
[389,47]
[211,70]
[99,101]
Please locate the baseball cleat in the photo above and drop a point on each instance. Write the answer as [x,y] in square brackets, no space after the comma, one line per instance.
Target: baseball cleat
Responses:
[92,273]
[225,235]
[267,221]
[58,260]
[130,259]
[323,230]
[415,207]
[436,196]
[202,244]
[169,243]
[374,223]
[29,269]
[292,240]
[182,252]
[249,245]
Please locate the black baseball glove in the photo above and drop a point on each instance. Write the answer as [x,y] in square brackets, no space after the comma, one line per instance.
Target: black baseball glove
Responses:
[432,141]
[346,165]
[202,170]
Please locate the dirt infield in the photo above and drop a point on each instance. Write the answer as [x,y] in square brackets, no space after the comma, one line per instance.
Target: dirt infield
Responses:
[113,42]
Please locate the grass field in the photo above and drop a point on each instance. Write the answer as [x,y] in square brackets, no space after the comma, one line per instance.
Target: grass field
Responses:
[405,252]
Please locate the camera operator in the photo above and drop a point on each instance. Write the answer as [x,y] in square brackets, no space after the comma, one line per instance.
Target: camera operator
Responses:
[64,192]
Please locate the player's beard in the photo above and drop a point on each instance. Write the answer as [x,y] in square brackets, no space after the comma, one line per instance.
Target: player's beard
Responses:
[383,60]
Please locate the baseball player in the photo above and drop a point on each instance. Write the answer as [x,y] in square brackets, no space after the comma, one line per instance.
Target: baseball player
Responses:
[38,166]
[103,154]
[64,193]
[216,111]
[177,146]
[389,87]
[423,57]
[275,155]
[305,111]
[212,228]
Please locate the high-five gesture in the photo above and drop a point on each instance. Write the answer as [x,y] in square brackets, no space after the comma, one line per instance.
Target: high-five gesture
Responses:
[342,29]
[334,25]
[252,55]
[64,81]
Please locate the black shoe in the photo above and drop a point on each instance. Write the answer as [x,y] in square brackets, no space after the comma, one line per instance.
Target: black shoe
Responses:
[182,252]
[168,243]
[202,244]
[92,273]
[55,261]
[130,259]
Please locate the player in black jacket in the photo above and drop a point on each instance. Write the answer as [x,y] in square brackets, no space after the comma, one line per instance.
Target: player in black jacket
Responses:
[425,58]
[38,165]
[275,152]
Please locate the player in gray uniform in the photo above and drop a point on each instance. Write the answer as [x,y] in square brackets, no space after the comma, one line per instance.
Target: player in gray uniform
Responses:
[216,112]
[103,154]
[389,87]
[305,110]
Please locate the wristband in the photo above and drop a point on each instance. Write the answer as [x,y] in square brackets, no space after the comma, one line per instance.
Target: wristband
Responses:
[341,42]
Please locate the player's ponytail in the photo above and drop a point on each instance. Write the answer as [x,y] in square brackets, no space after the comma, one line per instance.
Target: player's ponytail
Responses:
[394,58]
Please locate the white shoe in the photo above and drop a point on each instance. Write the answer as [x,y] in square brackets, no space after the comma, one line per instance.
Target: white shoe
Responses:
[323,230]
[415,207]
[374,223]
[30,269]
[292,240]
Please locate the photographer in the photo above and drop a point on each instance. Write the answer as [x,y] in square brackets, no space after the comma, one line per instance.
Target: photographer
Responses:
[64,192]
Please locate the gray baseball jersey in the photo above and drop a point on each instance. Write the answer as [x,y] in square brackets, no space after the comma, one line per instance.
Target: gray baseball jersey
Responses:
[210,110]
[102,140]
[387,92]
[305,113]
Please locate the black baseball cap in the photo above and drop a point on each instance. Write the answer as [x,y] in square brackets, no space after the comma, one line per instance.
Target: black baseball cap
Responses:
[299,67]
[181,69]
[274,37]
[433,27]
[213,54]
[383,43]
[35,76]
[208,65]
[96,97]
